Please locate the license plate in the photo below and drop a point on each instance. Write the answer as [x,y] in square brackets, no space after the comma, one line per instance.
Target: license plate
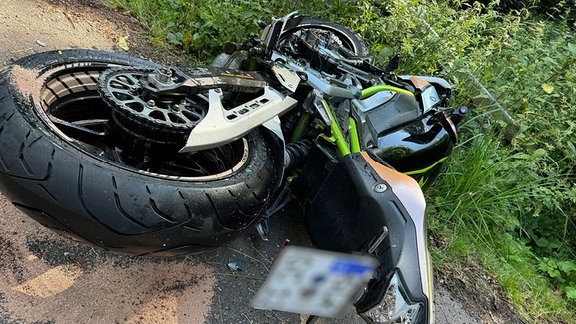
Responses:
[314,282]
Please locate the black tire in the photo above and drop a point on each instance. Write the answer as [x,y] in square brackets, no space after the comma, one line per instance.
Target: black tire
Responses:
[69,187]
[350,40]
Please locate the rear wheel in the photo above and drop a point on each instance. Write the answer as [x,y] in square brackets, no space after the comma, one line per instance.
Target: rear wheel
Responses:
[93,174]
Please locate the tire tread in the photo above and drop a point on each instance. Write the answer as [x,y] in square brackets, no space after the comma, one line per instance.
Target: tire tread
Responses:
[95,201]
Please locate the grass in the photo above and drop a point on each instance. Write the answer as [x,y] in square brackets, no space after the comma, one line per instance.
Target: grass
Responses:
[477,204]
[508,201]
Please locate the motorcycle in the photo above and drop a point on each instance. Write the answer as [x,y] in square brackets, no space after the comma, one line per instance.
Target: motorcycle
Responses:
[144,159]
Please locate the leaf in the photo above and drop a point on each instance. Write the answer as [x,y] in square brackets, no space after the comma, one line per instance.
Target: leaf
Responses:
[522,156]
[187,40]
[571,147]
[541,242]
[547,88]
[121,42]
[571,292]
[554,273]
[175,38]
[567,266]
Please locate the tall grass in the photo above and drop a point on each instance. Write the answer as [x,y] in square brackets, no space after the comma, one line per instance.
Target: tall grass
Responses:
[479,204]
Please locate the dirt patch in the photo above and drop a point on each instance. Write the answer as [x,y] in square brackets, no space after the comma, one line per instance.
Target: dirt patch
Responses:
[27,81]
[9,257]
[28,27]
[141,292]
[45,278]
[479,294]
[123,25]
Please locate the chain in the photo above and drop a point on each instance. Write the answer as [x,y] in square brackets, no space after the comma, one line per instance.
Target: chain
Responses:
[121,89]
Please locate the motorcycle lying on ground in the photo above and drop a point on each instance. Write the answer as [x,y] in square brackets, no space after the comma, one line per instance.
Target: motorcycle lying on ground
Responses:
[144,159]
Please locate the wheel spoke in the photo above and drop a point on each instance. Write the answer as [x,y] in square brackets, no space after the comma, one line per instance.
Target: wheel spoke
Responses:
[91,122]
[83,125]
[126,80]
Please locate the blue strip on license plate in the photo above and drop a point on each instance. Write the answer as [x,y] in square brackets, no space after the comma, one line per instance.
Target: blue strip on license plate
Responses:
[349,267]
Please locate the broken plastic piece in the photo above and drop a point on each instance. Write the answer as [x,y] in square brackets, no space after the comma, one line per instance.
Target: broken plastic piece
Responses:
[236,265]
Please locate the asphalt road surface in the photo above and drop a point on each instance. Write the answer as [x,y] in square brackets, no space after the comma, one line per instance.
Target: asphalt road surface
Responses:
[45,278]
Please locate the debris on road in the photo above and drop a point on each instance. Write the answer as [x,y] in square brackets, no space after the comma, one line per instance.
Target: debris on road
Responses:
[236,265]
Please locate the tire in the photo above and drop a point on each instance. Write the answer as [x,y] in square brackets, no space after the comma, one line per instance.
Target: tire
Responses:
[350,40]
[80,192]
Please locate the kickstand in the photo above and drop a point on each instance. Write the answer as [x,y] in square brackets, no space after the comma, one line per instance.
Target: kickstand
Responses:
[312,319]
[280,202]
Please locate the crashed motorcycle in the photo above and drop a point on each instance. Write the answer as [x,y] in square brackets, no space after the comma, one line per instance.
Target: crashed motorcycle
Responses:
[145,159]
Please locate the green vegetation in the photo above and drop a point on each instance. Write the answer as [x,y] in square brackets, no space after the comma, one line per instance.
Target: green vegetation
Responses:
[505,199]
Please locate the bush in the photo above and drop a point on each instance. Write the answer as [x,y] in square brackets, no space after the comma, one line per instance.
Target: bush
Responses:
[560,10]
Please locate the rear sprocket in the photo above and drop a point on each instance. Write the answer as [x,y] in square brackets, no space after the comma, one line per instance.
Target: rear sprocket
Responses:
[163,119]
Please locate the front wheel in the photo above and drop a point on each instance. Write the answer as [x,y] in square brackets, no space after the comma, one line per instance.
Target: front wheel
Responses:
[339,35]
[66,162]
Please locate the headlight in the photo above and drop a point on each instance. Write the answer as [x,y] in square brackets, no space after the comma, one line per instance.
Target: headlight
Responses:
[395,307]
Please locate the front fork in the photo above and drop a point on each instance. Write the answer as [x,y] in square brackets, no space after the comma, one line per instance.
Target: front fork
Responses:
[365,206]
